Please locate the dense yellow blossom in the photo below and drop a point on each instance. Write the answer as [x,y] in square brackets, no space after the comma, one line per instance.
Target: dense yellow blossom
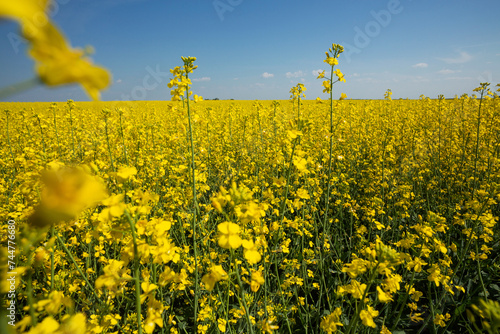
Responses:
[279,233]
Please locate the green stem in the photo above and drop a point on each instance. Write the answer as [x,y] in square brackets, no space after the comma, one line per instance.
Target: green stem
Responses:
[432,308]
[19,87]
[136,273]
[479,274]
[107,141]
[43,138]
[8,137]
[242,292]
[285,195]
[329,160]
[403,303]
[52,267]
[73,132]
[354,323]
[67,251]
[30,299]
[195,210]
[477,144]
[57,132]
[123,137]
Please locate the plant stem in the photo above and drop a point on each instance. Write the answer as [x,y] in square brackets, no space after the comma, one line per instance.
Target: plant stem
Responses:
[19,87]
[30,299]
[242,291]
[66,250]
[195,209]
[477,144]
[109,146]
[136,273]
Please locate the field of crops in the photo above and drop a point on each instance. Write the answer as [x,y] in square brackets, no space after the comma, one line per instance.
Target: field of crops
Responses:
[371,216]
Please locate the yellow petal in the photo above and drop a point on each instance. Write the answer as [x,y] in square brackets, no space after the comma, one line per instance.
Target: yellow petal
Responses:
[23,9]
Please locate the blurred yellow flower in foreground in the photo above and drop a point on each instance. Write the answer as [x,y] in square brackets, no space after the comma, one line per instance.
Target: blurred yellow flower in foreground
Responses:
[56,62]
[66,192]
[23,9]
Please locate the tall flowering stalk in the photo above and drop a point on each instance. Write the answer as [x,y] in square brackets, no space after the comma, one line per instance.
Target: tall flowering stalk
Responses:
[332,60]
[482,89]
[182,92]
[296,92]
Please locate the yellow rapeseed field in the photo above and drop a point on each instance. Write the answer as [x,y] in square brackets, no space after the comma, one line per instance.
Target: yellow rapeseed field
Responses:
[391,228]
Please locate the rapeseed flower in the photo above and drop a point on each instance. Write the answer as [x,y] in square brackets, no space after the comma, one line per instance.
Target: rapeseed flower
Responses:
[367,316]
[251,252]
[229,235]
[330,323]
[216,274]
[257,281]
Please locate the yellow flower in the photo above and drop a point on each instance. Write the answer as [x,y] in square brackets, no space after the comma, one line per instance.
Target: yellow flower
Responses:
[327,86]
[55,61]
[434,274]
[300,164]
[368,315]
[343,96]
[216,274]
[355,268]
[148,287]
[416,295]
[124,173]
[330,60]
[339,75]
[53,304]
[383,297]
[440,319]
[66,193]
[229,235]
[115,208]
[76,324]
[251,253]
[303,193]
[267,326]
[257,281]
[47,326]
[385,330]
[221,324]
[58,64]
[416,264]
[166,276]
[416,317]
[23,9]
[292,134]
[330,322]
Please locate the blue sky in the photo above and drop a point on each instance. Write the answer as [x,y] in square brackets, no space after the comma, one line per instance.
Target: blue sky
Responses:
[259,49]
